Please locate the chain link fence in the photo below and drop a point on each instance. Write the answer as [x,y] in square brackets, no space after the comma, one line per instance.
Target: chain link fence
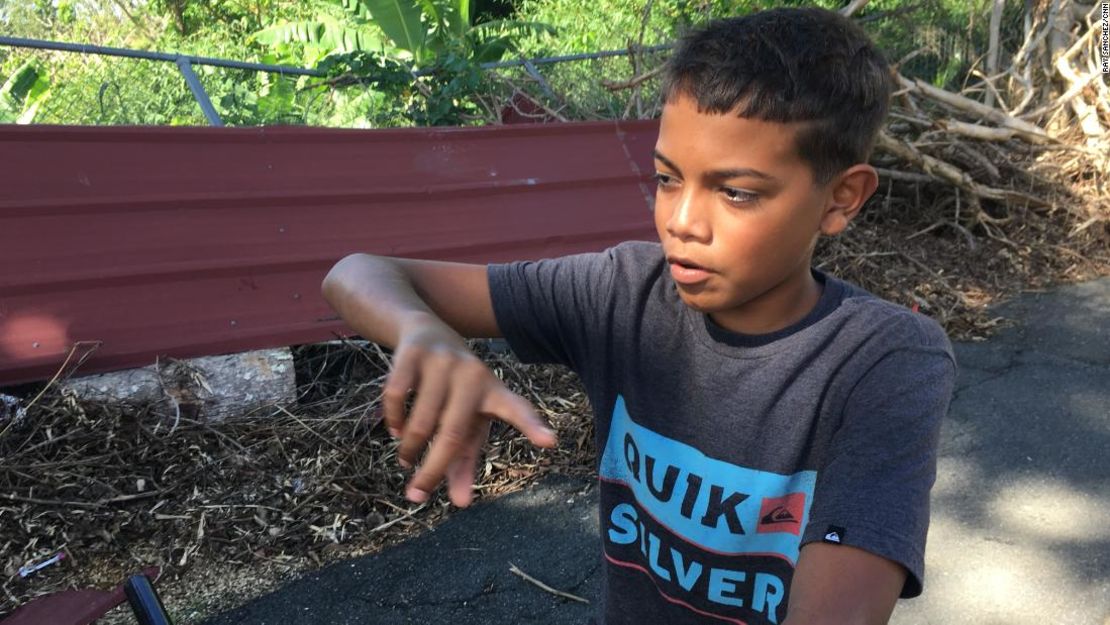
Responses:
[95,89]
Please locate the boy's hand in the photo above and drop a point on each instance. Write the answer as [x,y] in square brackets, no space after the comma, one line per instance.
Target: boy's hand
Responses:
[456,395]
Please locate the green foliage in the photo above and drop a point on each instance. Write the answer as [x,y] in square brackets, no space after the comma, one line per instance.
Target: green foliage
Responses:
[604,25]
[90,89]
[436,37]
[401,21]
[952,35]
[420,30]
[376,45]
[439,38]
[492,40]
[21,95]
[443,95]
[326,33]
[244,102]
[453,81]
[387,88]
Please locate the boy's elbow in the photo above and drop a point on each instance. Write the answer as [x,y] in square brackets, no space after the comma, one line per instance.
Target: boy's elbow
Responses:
[336,276]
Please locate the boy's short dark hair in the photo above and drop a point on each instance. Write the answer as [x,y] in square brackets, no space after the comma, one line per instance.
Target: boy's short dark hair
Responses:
[790,65]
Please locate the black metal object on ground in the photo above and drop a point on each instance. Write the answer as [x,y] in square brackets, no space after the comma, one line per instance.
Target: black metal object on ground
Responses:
[145,602]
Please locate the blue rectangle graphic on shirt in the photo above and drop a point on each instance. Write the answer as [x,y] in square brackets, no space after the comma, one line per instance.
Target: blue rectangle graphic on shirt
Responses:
[718,538]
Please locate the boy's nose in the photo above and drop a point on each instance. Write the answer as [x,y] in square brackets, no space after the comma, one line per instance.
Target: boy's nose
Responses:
[688,219]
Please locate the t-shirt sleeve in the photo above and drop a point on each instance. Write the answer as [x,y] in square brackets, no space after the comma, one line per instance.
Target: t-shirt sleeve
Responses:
[551,310]
[873,490]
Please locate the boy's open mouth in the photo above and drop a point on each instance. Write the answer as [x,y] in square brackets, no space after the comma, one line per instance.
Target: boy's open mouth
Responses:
[686,272]
[685,263]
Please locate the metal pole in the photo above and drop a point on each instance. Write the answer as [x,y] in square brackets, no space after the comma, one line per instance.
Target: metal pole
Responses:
[145,602]
[185,63]
[535,74]
[20,42]
[198,91]
[573,57]
[41,44]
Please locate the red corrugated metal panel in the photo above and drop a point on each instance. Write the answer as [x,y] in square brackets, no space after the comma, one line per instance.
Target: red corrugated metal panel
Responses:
[193,241]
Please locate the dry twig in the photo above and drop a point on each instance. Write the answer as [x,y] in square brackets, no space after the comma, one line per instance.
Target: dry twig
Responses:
[516,571]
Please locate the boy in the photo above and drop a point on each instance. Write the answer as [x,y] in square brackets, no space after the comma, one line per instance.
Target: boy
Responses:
[767,432]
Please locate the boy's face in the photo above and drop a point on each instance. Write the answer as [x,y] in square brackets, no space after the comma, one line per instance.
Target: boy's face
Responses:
[734,197]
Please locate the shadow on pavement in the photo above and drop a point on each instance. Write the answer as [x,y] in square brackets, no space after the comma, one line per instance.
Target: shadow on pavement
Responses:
[1020,528]
[459,573]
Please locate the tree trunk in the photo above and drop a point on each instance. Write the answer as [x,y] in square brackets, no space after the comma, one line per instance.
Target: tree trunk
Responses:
[177,8]
[208,388]
[992,50]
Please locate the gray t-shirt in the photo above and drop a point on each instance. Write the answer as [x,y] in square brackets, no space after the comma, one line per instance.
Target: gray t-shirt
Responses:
[723,454]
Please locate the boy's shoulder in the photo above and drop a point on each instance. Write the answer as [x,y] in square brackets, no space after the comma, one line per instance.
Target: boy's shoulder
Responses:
[863,316]
[638,250]
[890,325]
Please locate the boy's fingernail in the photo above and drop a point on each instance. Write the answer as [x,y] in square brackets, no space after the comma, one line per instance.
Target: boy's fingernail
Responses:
[394,432]
[404,463]
[415,495]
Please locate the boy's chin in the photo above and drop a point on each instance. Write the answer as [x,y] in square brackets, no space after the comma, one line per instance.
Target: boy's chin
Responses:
[702,301]
[710,301]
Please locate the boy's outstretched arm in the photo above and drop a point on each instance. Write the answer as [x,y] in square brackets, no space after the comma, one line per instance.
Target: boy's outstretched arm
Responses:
[843,585]
[423,311]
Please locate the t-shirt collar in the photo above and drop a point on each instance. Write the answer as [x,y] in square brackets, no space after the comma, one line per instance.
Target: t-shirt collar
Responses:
[828,302]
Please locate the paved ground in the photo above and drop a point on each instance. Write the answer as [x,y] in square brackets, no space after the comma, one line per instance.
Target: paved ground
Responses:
[459,573]
[1021,511]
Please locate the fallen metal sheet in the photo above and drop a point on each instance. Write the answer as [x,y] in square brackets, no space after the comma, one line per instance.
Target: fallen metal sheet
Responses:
[134,243]
[71,607]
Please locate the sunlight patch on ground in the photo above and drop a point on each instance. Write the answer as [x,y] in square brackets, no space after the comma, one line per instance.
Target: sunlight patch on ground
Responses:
[992,577]
[955,476]
[1050,510]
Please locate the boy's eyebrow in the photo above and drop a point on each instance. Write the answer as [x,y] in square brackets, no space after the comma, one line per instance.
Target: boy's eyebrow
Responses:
[722,174]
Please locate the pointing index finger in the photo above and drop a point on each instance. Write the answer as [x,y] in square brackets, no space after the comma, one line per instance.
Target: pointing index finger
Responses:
[519,413]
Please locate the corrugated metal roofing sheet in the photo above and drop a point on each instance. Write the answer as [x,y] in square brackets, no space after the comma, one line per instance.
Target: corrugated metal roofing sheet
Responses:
[184,242]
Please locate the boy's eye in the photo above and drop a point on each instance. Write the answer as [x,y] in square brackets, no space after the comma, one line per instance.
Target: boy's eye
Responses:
[738,196]
[663,180]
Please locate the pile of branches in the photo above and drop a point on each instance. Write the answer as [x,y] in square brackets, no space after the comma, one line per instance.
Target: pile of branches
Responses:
[117,486]
[1008,177]
[1062,107]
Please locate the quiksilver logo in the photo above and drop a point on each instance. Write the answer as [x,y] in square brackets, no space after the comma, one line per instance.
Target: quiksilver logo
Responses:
[779,515]
[834,534]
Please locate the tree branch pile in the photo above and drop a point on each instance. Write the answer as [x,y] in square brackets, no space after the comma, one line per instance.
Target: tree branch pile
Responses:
[1059,113]
[118,486]
[1009,177]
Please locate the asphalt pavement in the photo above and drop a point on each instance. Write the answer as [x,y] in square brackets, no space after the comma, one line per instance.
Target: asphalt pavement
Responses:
[1020,529]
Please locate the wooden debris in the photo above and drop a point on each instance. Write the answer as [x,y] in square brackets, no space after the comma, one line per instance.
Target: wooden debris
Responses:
[207,388]
[292,485]
[528,578]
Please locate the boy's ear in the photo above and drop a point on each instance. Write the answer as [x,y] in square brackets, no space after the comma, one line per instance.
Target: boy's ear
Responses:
[846,194]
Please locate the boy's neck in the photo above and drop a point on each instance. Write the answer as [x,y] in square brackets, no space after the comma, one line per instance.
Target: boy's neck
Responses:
[780,307]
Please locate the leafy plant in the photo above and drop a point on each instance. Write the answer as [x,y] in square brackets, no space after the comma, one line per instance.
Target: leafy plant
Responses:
[388,83]
[22,93]
[423,57]
[417,30]
[325,32]
[444,94]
